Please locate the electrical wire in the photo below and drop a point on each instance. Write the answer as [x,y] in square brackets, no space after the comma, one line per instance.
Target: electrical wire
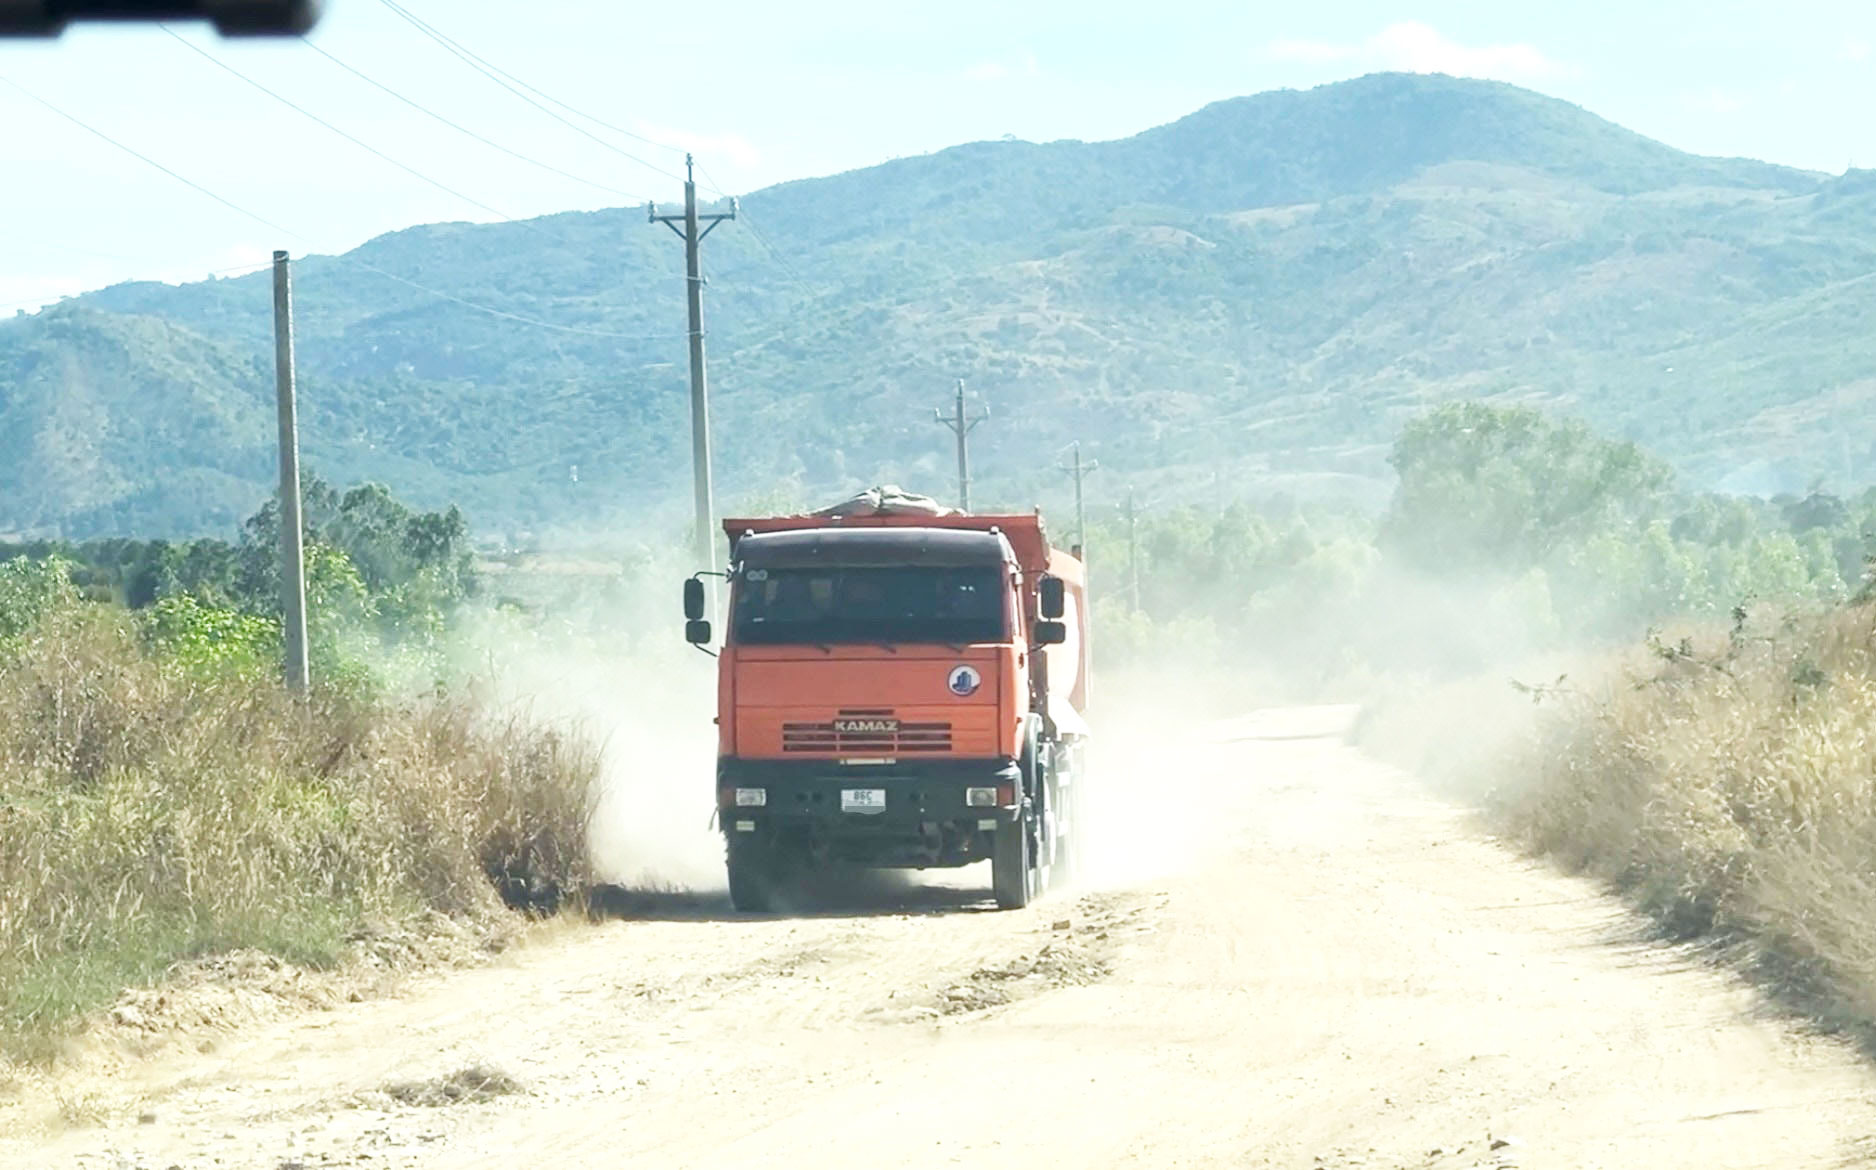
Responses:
[495,75]
[346,259]
[503,77]
[187,182]
[416,105]
[255,267]
[537,91]
[742,217]
[503,314]
[355,141]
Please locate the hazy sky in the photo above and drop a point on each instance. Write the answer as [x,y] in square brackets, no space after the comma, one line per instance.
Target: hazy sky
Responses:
[765,92]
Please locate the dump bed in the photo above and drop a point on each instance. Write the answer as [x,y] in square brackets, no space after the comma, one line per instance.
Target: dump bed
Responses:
[1025,533]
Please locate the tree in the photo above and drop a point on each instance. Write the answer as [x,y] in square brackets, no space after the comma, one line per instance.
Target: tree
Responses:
[1505,488]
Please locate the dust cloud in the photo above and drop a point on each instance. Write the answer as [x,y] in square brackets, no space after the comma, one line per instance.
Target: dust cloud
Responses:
[1168,724]
[652,709]
[1436,676]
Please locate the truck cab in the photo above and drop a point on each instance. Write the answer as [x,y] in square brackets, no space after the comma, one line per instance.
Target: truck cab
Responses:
[898,691]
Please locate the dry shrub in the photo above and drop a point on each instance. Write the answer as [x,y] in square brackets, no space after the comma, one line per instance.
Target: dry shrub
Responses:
[1726,780]
[150,814]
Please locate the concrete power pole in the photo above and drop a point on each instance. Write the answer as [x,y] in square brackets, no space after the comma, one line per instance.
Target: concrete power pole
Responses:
[699,385]
[1133,555]
[1079,469]
[962,426]
[292,552]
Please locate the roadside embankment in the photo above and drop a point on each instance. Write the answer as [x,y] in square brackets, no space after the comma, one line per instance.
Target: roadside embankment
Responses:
[1723,779]
[157,810]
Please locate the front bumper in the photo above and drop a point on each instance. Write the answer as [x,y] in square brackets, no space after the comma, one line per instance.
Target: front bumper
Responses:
[925,819]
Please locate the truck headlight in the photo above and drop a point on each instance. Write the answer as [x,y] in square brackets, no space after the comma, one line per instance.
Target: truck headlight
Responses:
[752,797]
[980,797]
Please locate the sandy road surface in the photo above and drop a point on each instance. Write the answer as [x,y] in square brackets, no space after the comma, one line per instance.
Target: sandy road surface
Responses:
[1333,971]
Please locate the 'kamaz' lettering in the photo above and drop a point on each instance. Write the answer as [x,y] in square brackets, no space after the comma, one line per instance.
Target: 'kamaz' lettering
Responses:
[866,726]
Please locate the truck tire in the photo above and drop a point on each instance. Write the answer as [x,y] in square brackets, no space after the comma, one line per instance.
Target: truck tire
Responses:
[752,874]
[1014,875]
[1012,868]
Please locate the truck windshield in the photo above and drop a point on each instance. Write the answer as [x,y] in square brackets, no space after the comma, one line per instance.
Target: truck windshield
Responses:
[832,605]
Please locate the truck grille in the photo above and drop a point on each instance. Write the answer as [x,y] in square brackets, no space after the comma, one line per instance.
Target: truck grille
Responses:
[880,734]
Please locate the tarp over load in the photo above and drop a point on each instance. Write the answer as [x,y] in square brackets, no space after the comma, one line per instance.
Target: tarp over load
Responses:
[888,500]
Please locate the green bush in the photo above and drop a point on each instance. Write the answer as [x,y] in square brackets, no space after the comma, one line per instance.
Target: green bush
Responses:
[210,640]
[30,590]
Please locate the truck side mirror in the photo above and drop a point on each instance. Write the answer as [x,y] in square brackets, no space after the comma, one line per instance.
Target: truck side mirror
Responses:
[1050,589]
[694,602]
[1051,633]
[697,632]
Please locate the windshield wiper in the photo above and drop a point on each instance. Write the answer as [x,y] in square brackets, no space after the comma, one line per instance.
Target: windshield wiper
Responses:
[887,646]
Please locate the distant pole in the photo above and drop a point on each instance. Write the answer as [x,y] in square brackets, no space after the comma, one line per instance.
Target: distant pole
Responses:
[699,385]
[962,426]
[1078,469]
[1133,555]
[292,553]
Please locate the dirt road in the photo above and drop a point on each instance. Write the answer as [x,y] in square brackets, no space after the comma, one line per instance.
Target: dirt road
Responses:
[1319,966]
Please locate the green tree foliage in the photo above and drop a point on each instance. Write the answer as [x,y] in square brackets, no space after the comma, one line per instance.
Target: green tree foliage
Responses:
[1505,489]
[29,591]
[382,582]
[1509,531]
[209,640]
[413,566]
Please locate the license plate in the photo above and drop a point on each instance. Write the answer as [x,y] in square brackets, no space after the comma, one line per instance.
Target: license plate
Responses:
[863,800]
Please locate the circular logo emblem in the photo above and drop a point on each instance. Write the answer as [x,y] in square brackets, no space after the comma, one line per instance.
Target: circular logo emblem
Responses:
[964,680]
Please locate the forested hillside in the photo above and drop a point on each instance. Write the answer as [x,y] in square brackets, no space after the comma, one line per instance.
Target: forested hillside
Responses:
[1253,298]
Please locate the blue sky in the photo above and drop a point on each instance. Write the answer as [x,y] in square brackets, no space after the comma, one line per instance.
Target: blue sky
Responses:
[765,92]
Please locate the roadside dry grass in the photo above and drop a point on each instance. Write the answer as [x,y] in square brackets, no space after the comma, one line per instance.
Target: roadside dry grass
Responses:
[151,815]
[1726,780]
[1723,779]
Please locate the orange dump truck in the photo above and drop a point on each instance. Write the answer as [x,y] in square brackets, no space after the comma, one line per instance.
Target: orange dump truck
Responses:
[898,690]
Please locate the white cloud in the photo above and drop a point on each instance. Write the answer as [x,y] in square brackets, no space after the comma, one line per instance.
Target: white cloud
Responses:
[1854,51]
[1414,47]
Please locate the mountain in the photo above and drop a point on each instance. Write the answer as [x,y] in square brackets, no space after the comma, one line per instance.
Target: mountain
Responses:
[1251,298]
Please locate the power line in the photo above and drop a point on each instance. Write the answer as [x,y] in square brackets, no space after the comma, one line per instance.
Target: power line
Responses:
[499,78]
[355,141]
[187,182]
[349,259]
[540,93]
[788,269]
[256,267]
[416,105]
[503,314]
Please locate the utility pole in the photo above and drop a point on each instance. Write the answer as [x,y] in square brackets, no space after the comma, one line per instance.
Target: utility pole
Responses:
[1133,555]
[292,552]
[961,426]
[699,386]
[1079,469]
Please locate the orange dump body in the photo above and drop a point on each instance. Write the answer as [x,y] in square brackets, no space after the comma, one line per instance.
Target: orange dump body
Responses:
[907,701]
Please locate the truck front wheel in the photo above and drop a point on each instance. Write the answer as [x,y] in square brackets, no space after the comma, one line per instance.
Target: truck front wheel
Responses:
[1012,869]
[752,873]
